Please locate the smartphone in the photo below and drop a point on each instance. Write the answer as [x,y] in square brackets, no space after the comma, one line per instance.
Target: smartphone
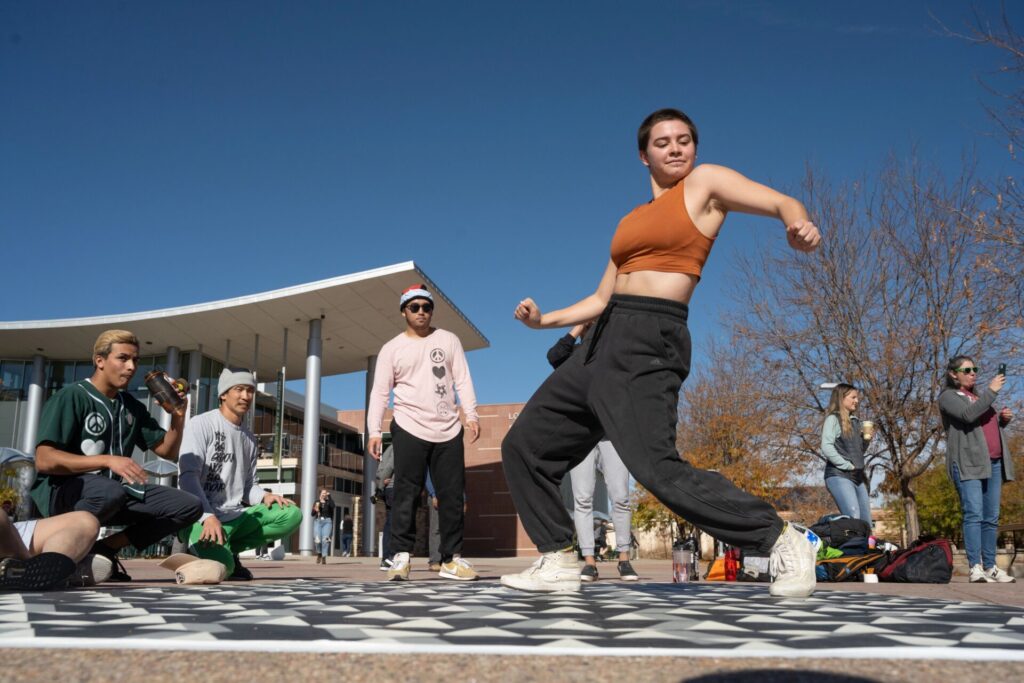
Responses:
[1002,369]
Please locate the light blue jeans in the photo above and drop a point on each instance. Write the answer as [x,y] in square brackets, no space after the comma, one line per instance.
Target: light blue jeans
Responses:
[979,500]
[322,528]
[852,499]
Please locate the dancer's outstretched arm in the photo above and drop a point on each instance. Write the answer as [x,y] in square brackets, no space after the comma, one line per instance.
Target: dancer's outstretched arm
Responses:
[582,311]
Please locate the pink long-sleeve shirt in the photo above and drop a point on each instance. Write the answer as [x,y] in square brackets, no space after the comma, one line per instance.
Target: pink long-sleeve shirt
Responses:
[425,373]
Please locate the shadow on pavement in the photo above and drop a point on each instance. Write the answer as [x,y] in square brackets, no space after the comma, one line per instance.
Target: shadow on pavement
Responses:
[778,676]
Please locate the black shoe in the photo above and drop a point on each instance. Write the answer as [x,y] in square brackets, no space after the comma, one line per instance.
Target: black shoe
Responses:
[118,572]
[626,571]
[240,573]
[45,571]
[589,573]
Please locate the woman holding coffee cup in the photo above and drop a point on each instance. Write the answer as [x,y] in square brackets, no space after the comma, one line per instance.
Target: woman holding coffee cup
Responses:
[844,439]
[977,461]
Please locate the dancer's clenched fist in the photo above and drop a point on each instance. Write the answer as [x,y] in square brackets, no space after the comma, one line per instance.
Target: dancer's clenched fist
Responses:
[528,313]
[803,236]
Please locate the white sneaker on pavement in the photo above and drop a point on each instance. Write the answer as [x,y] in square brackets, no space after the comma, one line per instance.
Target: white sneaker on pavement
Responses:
[979,575]
[791,565]
[557,572]
[399,569]
[997,575]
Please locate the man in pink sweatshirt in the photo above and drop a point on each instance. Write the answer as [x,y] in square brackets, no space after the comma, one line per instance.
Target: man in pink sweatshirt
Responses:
[425,367]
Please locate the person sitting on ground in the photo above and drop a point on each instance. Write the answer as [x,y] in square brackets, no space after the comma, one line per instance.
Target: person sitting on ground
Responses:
[218,466]
[87,433]
[43,554]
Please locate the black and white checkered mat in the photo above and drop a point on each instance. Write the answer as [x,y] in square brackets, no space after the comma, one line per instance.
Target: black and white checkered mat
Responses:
[666,617]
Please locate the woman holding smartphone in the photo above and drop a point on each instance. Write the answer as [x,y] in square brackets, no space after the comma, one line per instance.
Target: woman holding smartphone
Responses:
[977,461]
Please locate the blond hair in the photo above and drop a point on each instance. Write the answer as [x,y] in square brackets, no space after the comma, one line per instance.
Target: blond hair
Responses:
[105,342]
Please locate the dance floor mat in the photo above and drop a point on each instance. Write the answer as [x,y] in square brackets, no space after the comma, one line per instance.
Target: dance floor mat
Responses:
[605,619]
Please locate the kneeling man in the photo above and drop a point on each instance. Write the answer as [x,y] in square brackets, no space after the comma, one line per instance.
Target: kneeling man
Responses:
[218,465]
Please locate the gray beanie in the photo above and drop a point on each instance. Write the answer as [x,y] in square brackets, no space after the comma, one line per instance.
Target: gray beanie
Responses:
[231,377]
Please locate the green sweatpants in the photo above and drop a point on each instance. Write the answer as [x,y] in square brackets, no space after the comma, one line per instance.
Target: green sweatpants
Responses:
[256,526]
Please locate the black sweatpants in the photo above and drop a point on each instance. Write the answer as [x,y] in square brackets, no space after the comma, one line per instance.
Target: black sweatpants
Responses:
[162,511]
[447,464]
[624,384]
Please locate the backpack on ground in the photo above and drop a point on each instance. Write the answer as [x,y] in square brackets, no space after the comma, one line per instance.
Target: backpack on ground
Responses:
[837,530]
[925,561]
[753,568]
[850,567]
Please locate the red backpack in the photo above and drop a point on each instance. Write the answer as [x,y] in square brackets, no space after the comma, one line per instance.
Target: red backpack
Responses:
[925,561]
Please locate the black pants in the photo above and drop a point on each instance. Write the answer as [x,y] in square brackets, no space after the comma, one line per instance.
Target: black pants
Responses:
[389,500]
[162,511]
[624,383]
[447,465]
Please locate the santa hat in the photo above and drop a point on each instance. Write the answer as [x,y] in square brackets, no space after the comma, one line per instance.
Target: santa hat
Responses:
[415,292]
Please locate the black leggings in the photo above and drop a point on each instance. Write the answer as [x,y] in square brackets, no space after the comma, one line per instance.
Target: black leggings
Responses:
[624,384]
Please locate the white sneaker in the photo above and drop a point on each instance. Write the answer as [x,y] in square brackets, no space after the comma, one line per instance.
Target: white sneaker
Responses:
[399,569]
[978,575]
[557,572]
[94,568]
[997,575]
[791,565]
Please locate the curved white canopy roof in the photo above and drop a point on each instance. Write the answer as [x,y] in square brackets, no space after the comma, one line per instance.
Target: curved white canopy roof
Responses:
[359,312]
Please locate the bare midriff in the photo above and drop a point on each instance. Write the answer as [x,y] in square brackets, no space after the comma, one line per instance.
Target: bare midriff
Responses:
[674,286]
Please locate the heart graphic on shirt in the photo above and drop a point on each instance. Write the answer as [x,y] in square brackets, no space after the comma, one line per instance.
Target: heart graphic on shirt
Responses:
[90,447]
[439,371]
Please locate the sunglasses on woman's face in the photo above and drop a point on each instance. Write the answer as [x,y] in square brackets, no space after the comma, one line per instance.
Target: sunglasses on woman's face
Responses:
[967,371]
[415,308]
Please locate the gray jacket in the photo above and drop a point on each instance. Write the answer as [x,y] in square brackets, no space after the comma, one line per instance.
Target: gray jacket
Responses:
[386,469]
[965,440]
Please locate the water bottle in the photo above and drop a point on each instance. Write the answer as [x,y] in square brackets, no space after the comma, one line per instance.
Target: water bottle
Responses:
[682,558]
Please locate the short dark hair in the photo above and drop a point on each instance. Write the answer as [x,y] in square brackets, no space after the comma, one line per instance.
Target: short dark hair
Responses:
[643,135]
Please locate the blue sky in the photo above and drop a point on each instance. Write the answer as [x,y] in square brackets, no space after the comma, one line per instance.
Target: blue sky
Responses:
[269,144]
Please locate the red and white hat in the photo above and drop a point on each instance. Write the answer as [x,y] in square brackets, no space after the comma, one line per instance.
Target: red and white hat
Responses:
[415,292]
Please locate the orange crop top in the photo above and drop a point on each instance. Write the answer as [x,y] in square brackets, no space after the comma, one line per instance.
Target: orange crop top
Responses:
[660,236]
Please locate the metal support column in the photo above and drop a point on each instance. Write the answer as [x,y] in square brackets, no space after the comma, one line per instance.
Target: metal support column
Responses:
[250,417]
[173,369]
[310,435]
[195,368]
[369,469]
[34,408]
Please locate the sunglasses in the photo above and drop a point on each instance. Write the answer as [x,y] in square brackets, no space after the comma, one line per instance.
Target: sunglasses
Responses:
[968,371]
[415,308]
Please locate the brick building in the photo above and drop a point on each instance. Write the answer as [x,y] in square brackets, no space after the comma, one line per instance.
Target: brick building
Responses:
[492,525]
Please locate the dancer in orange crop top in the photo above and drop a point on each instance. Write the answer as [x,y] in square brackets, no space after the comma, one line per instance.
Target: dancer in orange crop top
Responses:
[624,385]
